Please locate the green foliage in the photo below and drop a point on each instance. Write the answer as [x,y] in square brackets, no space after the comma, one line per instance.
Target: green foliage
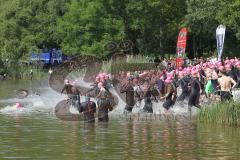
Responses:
[202,19]
[88,25]
[27,25]
[230,15]
[227,113]
[85,26]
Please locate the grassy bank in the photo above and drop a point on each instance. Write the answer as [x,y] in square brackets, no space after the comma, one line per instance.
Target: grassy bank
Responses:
[227,113]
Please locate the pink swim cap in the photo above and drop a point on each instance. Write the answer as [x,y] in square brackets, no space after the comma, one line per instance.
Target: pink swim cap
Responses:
[227,66]
[211,66]
[66,81]
[219,63]
[226,61]
[221,68]
[101,76]
[18,105]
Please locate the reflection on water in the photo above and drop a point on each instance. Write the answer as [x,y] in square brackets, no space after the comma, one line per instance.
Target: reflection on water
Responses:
[44,137]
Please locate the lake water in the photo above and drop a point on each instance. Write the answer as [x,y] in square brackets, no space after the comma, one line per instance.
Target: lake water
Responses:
[36,133]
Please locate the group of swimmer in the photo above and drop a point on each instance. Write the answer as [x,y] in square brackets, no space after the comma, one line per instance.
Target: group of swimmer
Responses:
[213,80]
[88,108]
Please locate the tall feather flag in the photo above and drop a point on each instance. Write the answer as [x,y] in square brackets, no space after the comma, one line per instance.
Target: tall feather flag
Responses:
[220,36]
[181,46]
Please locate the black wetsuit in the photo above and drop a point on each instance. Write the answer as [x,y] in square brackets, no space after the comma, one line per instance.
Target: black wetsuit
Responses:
[129,90]
[225,96]
[169,101]
[75,97]
[202,81]
[195,93]
[103,106]
[161,86]
[184,83]
[88,108]
[233,74]
[148,102]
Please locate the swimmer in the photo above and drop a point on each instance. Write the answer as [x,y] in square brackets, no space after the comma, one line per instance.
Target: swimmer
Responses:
[88,109]
[104,105]
[195,91]
[183,83]
[147,96]
[226,85]
[170,94]
[22,93]
[129,91]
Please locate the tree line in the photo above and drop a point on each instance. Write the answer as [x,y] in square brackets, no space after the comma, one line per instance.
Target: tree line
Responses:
[86,26]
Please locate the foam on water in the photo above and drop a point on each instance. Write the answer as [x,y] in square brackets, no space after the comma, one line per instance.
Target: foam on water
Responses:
[44,102]
[12,110]
[119,109]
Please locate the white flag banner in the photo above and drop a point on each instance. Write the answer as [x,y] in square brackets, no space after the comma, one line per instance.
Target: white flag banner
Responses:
[220,35]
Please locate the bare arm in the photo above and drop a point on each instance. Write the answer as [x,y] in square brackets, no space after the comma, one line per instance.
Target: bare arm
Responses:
[233,82]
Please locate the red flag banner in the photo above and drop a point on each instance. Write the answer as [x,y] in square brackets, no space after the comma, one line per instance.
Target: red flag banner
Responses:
[182,42]
[181,46]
